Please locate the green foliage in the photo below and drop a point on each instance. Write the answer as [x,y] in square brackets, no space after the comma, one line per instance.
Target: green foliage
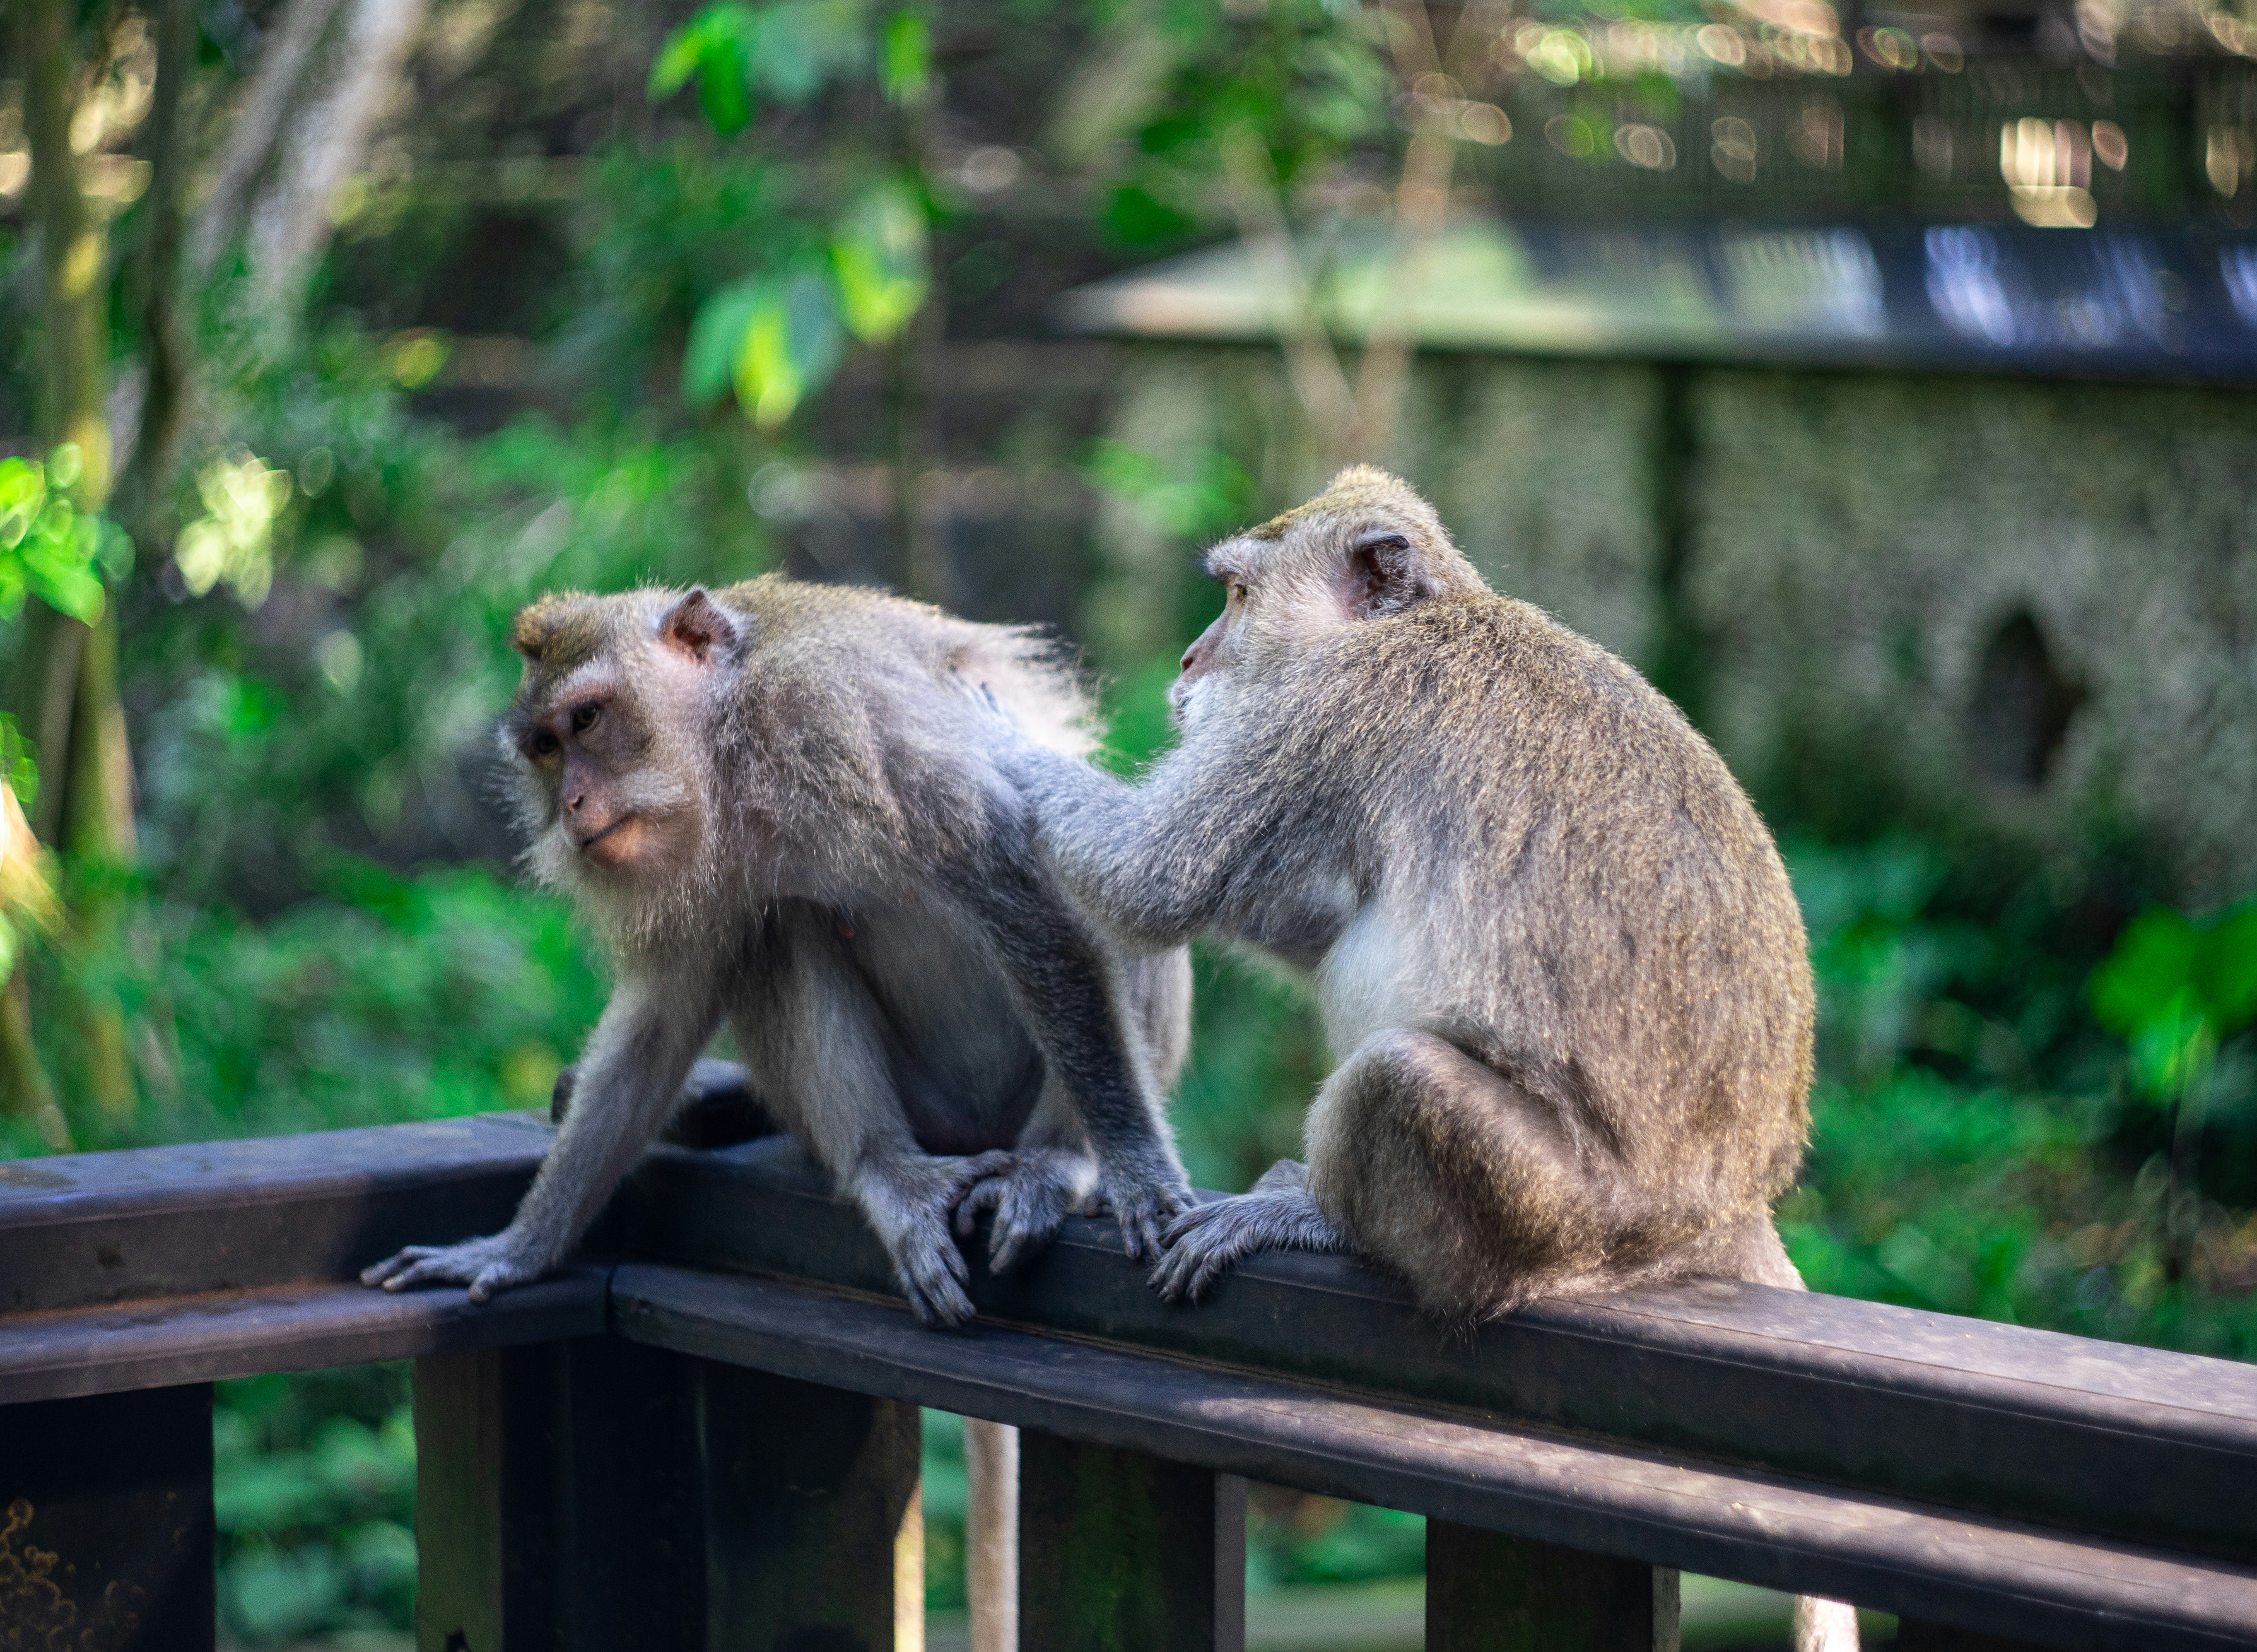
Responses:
[1196,496]
[1309,80]
[52,545]
[786,51]
[776,334]
[2174,987]
[313,1493]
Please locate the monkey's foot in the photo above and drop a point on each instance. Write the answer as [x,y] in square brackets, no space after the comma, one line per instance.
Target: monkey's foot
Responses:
[1031,1197]
[1202,1243]
[909,1201]
[486,1265]
[1145,1199]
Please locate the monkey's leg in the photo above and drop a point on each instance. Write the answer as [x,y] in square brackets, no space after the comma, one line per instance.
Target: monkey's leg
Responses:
[1276,1214]
[1069,988]
[1479,1192]
[650,1033]
[814,1040]
[1052,1176]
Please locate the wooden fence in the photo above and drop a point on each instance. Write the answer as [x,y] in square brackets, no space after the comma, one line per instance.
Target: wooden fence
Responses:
[706,1435]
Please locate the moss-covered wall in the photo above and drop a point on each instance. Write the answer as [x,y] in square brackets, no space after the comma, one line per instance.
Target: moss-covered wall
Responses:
[2023,608]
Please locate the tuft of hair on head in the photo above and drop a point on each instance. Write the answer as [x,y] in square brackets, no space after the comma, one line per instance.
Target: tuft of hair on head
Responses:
[536,623]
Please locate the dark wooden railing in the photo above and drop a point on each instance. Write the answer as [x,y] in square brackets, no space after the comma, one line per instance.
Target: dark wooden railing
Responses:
[706,1434]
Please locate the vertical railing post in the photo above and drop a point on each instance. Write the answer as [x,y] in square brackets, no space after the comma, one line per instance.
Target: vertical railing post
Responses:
[1488,1593]
[486,1519]
[1121,1552]
[814,1531]
[106,1522]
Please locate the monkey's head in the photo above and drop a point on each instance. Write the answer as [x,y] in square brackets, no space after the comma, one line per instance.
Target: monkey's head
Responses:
[1368,547]
[607,733]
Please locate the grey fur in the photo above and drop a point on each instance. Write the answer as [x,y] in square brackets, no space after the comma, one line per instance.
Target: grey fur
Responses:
[783,816]
[1558,961]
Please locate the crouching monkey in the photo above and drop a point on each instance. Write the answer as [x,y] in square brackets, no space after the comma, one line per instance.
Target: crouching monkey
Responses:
[1557,956]
[779,811]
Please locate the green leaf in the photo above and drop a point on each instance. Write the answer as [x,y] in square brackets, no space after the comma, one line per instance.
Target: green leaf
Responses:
[881,255]
[905,56]
[724,94]
[2152,968]
[715,335]
[1136,217]
[675,62]
[716,48]
[790,347]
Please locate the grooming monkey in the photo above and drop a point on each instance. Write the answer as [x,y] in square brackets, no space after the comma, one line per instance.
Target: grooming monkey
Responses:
[780,812]
[1558,959]
[1557,956]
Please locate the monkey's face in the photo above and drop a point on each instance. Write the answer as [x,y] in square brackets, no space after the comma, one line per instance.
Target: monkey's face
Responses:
[606,732]
[1365,547]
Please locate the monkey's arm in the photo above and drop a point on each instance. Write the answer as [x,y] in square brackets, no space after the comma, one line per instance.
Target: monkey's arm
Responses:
[1071,990]
[1155,863]
[642,1048]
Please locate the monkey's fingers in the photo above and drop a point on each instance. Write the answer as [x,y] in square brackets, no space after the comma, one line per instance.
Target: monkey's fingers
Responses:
[984,1195]
[398,1265]
[1034,1210]
[934,1280]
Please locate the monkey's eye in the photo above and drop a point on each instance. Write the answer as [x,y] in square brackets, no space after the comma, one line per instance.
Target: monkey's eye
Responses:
[585,717]
[1237,590]
[545,743]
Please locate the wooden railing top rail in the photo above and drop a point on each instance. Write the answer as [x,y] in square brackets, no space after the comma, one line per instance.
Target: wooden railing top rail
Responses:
[2063,1492]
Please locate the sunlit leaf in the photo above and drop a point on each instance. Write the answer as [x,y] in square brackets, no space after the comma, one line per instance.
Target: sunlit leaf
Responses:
[790,346]
[709,362]
[716,48]
[883,256]
[905,56]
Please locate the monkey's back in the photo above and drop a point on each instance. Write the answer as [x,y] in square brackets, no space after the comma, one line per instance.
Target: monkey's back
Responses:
[850,738]
[1577,893]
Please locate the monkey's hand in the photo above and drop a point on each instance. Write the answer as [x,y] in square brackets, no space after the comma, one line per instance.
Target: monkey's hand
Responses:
[1031,1198]
[486,1265]
[1021,758]
[909,1200]
[1203,1242]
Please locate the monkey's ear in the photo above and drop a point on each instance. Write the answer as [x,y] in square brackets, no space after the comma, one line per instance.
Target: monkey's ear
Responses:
[1384,575]
[695,626]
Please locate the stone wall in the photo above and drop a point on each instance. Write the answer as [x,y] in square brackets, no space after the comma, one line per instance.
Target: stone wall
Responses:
[2026,609]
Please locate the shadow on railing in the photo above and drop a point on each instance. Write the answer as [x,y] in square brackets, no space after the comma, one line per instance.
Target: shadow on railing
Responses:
[706,1434]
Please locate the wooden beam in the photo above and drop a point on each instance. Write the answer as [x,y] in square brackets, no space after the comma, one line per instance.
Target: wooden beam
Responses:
[1488,1593]
[1913,1636]
[2139,1443]
[2054,1587]
[106,1522]
[1122,1551]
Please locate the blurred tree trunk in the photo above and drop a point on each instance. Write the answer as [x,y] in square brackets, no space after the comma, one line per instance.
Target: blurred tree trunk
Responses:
[281,82]
[328,143]
[142,488]
[69,703]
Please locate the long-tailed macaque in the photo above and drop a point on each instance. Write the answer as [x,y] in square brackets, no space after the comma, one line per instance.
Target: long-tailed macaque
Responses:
[780,812]
[1557,956]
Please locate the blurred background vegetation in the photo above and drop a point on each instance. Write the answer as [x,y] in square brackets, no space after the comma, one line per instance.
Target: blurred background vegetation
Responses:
[336,329]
